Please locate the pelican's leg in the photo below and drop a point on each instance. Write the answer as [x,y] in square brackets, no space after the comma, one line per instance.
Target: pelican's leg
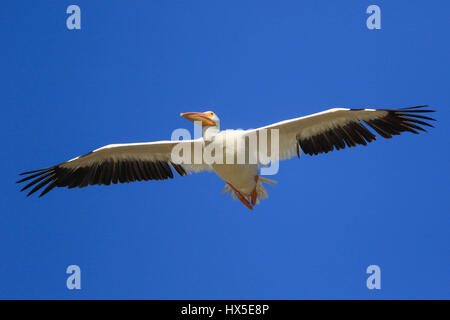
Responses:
[241,197]
[253,195]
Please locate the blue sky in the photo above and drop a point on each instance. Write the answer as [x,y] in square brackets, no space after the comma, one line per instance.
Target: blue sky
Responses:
[126,76]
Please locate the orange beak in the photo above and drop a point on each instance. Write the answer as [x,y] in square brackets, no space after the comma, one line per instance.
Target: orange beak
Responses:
[203,118]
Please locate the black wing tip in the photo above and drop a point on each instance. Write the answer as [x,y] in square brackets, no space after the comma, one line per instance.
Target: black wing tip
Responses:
[37,177]
[415,109]
[418,107]
[34,174]
[33,171]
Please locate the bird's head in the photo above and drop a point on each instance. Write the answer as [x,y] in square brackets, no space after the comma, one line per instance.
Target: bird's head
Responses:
[206,119]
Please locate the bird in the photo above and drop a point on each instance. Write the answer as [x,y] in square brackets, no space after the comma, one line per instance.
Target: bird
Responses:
[318,133]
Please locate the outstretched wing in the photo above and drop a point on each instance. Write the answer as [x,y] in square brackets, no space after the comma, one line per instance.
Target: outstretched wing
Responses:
[338,128]
[113,163]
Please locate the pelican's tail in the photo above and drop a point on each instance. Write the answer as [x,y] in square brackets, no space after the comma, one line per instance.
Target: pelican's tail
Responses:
[261,192]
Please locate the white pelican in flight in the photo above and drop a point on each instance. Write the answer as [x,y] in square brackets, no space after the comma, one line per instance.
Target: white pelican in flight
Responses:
[333,129]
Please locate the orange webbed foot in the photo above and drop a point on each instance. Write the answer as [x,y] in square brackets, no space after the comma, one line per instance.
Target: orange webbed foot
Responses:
[253,197]
[241,197]
[253,194]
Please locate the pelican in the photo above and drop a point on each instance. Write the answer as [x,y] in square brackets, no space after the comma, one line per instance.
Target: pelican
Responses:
[322,132]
